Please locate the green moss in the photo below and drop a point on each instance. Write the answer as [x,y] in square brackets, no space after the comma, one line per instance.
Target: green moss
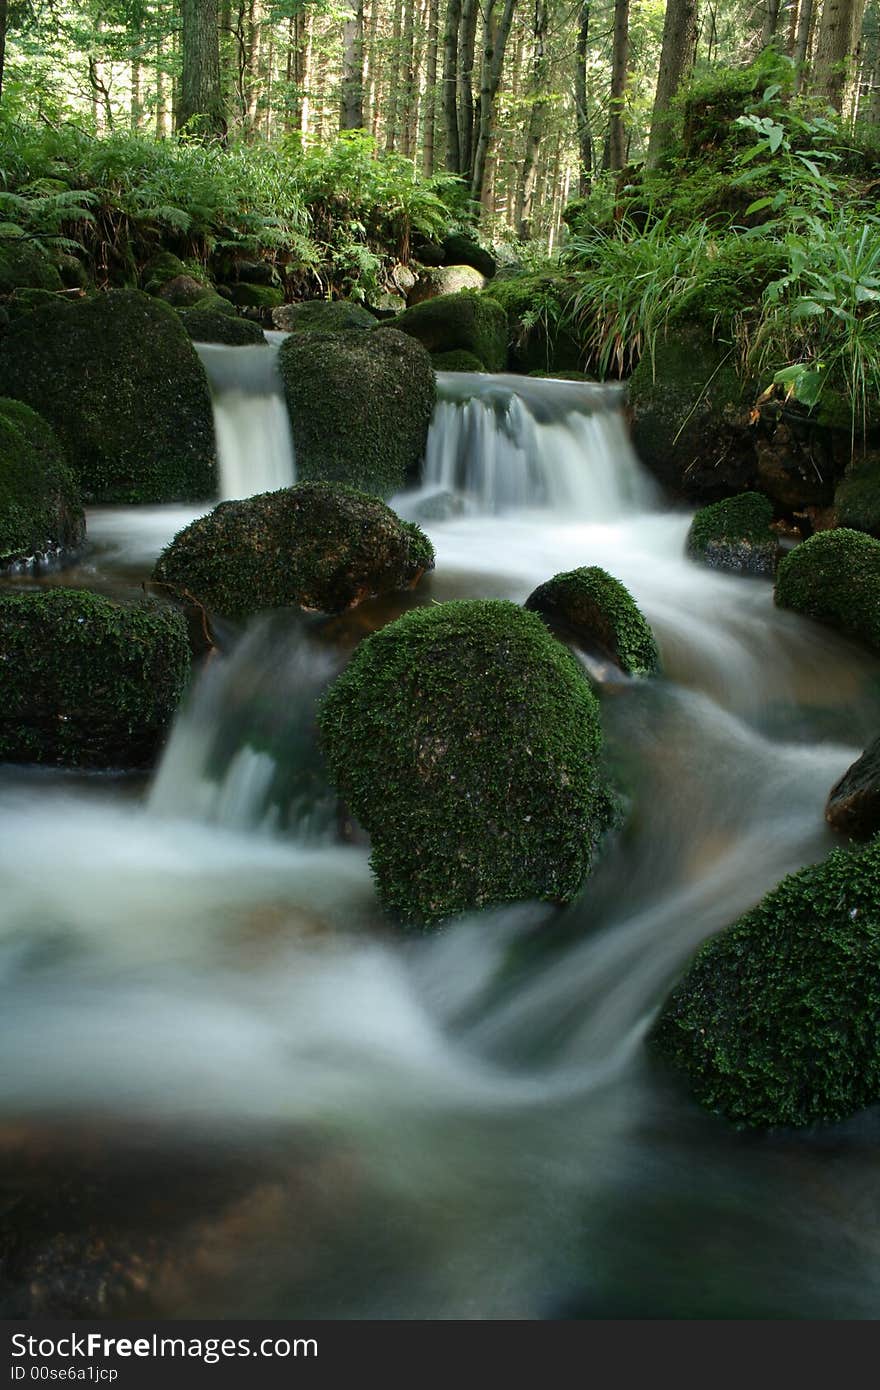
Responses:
[360,405]
[463,250]
[318,315]
[85,682]
[456,362]
[857,499]
[734,534]
[466,740]
[184,292]
[835,577]
[256,296]
[207,327]
[318,546]
[24,266]
[120,382]
[777,1021]
[216,304]
[462,322]
[23,302]
[40,510]
[600,612]
[161,268]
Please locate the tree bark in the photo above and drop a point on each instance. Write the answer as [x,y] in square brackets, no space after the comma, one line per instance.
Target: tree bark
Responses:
[352,110]
[429,117]
[494,46]
[408,80]
[802,41]
[770,21]
[619,65]
[4,24]
[393,117]
[839,33]
[525,198]
[450,85]
[676,60]
[201,99]
[584,134]
[467,37]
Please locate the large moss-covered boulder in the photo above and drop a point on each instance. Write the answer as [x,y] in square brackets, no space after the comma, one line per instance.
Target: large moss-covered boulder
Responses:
[207,326]
[466,740]
[446,279]
[24,266]
[120,382]
[540,332]
[777,1021]
[853,805]
[835,577]
[460,249]
[456,362]
[690,417]
[734,534]
[857,499]
[322,316]
[184,291]
[85,682]
[318,546]
[462,322]
[262,297]
[40,510]
[598,612]
[160,270]
[360,405]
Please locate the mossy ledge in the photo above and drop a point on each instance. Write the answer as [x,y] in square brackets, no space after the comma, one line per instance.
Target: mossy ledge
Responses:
[835,577]
[598,611]
[85,682]
[734,534]
[320,546]
[40,511]
[120,382]
[777,1021]
[466,740]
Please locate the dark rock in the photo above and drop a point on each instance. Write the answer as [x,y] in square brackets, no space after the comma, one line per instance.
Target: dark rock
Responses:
[183,291]
[24,266]
[205,326]
[854,802]
[857,499]
[461,250]
[161,268]
[40,510]
[734,534]
[262,297]
[597,611]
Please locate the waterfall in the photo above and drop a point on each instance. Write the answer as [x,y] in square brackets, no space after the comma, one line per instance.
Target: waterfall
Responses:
[506,442]
[254,443]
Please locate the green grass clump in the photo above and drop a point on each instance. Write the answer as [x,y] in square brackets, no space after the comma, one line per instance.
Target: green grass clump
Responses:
[734,534]
[464,322]
[318,546]
[777,1021]
[466,741]
[835,577]
[40,509]
[600,612]
[85,682]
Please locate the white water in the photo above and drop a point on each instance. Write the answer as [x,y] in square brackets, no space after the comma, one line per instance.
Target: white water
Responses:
[251,423]
[213,960]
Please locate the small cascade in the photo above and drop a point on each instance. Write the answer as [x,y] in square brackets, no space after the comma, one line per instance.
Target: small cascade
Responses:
[510,442]
[254,442]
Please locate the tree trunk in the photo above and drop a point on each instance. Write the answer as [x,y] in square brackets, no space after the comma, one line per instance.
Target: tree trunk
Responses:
[494,45]
[4,24]
[252,82]
[770,21]
[408,81]
[201,100]
[676,60]
[619,65]
[450,84]
[307,73]
[467,37]
[394,80]
[584,134]
[525,197]
[802,41]
[352,112]
[429,117]
[839,33]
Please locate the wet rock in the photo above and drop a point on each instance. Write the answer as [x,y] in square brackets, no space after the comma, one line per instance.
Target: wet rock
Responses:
[204,326]
[734,534]
[440,506]
[456,362]
[835,577]
[265,298]
[322,316]
[793,470]
[596,611]
[854,802]
[40,510]
[160,269]
[464,322]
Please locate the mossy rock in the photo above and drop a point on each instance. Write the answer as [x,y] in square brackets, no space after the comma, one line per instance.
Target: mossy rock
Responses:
[263,297]
[466,740]
[597,611]
[24,266]
[446,279]
[734,534]
[318,546]
[321,316]
[204,326]
[460,323]
[216,304]
[835,577]
[360,405]
[160,269]
[22,302]
[853,805]
[456,362]
[85,682]
[537,335]
[40,510]
[857,499]
[459,249]
[120,382]
[777,1021]
[183,292]
[690,417]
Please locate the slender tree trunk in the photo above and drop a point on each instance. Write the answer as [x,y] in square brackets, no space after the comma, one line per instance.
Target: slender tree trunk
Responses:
[450,85]
[352,112]
[525,198]
[371,85]
[494,46]
[4,24]
[676,60]
[394,79]
[307,77]
[770,21]
[619,66]
[802,41]
[467,37]
[429,106]
[584,134]
[839,33]
[407,105]
[201,99]
[252,80]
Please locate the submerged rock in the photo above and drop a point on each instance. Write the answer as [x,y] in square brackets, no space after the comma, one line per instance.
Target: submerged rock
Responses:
[120,382]
[322,316]
[598,612]
[85,682]
[835,577]
[734,534]
[466,740]
[40,510]
[854,802]
[318,546]
[360,405]
[463,322]
[777,1021]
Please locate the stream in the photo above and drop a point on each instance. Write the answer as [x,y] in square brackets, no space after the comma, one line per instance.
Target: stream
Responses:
[205,1016]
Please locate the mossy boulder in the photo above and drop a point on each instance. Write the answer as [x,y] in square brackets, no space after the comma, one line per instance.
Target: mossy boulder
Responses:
[22,302]
[466,740]
[456,362]
[216,304]
[460,323]
[857,499]
[85,682]
[160,269]
[318,546]
[120,382]
[598,612]
[538,335]
[183,292]
[777,1021]
[360,405]
[734,534]
[835,577]
[262,297]
[459,249]
[322,316]
[40,510]
[205,326]
[690,417]
[853,805]
[446,279]
[24,266]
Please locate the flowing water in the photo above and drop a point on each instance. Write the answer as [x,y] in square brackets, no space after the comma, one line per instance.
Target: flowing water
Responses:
[196,976]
